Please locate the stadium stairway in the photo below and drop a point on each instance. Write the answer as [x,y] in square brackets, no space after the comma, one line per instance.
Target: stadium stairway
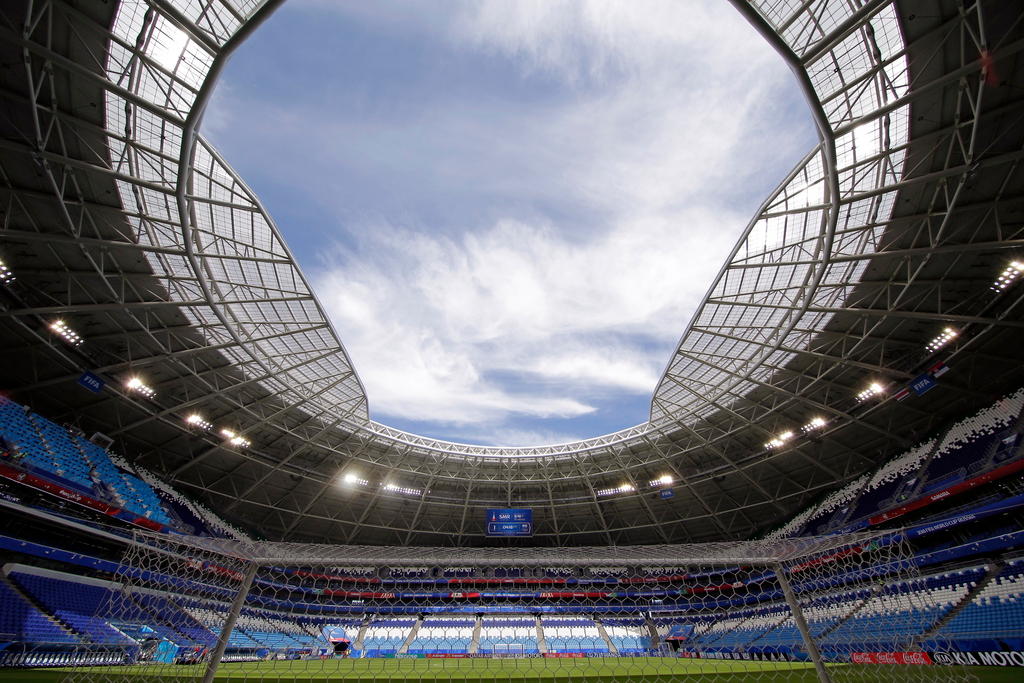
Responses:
[852,613]
[358,644]
[652,631]
[994,569]
[157,621]
[542,644]
[713,634]
[404,649]
[474,645]
[604,636]
[67,633]
[31,599]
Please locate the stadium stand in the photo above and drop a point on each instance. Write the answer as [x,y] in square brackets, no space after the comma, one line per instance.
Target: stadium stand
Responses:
[78,604]
[445,634]
[994,618]
[504,635]
[572,634]
[21,621]
[385,636]
[627,636]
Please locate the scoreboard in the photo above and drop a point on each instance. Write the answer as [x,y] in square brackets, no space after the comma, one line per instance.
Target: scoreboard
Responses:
[510,522]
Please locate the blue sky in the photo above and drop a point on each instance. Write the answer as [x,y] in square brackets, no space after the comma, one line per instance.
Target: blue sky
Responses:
[509,209]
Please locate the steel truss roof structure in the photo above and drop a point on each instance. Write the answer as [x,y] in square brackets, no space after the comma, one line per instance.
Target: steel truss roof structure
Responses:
[119,217]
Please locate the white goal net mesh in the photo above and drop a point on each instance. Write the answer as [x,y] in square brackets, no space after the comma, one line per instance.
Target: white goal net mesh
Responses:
[845,608]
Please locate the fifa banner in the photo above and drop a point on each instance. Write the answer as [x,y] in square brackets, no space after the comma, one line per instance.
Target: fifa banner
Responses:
[990,658]
[890,658]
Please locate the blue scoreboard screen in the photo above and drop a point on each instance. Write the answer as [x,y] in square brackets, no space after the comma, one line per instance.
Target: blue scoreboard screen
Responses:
[510,522]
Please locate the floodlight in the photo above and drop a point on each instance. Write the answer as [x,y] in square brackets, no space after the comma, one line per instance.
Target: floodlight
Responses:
[235,439]
[353,478]
[61,329]
[139,387]
[395,488]
[6,276]
[622,488]
[1009,275]
[872,390]
[779,440]
[943,338]
[196,420]
[815,424]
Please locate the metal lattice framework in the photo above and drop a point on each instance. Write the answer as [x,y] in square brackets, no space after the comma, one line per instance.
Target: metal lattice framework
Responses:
[120,216]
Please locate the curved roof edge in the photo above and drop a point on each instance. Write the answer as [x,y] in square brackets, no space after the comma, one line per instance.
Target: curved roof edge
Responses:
[781,284]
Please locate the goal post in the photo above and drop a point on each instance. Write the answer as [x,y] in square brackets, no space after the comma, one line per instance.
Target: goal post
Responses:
[839,608]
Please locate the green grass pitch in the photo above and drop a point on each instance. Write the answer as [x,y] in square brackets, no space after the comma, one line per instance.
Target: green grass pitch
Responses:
[521,671]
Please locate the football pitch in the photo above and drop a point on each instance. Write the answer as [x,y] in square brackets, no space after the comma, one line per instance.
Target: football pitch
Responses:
[517,670]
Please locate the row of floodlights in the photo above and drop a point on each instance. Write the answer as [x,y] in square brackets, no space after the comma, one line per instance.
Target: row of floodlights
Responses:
[61,329]
[353,479]
[663,480]
[813,425]
[947,335]
[1010,275]
[194,420]
[6,276]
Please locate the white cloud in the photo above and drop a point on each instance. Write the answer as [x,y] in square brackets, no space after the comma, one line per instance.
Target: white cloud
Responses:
[596,39]
[653,156]
[432,322]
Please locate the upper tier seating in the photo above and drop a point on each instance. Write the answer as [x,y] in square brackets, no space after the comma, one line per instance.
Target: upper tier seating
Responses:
[457,572]
[835,506]
[410,572]
[892,480]
[47,446]
[969,445]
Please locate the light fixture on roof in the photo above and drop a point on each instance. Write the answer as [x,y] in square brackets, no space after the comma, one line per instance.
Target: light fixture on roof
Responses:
[663,480]
[6,276]
[944,337]
[196,420]
[353,478]
[1009,275]
[815,424]
[395,488]
[61,329]
[872,390]
[139,387]
[622,488]
[235,439]
[779,441]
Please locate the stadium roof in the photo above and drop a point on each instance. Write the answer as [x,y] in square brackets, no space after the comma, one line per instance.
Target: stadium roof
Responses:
[121,220]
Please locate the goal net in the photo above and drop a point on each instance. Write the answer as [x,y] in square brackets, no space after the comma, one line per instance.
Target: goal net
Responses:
[842,608]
